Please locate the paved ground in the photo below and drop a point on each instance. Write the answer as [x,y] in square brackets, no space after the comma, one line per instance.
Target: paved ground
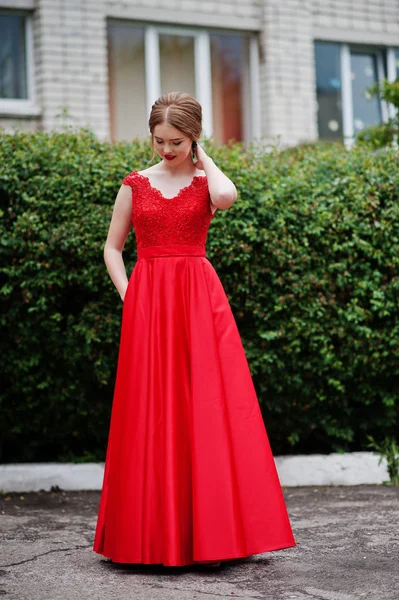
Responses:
[348,549]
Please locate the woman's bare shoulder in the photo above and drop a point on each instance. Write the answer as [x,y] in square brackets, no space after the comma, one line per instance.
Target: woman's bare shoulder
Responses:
[152,169]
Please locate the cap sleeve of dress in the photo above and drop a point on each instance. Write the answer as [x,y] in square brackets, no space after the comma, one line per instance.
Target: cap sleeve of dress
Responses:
[130,180]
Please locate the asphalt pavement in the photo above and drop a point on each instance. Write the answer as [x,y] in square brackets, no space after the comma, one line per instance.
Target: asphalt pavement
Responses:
[347,549]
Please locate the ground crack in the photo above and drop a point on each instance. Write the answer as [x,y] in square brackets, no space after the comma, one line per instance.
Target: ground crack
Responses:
[44,554]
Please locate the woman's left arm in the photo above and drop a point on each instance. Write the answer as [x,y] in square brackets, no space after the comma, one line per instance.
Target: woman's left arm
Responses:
[222,190]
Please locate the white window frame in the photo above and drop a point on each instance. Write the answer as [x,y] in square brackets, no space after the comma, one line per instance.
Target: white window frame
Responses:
[346,96]
[27,106]
[202,67]
[346,86]
[391,74]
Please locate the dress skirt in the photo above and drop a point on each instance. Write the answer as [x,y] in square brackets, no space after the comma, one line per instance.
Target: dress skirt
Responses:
[189,474]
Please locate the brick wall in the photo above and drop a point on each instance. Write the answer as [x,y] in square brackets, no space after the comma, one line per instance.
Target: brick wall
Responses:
[71,63]
[287,74]
[71,52]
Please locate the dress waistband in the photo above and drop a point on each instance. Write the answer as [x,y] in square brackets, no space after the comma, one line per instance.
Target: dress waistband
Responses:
[170,250]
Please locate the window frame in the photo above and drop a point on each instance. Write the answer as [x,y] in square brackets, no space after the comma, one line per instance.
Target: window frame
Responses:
[202,62]
[27,106]
[392,71]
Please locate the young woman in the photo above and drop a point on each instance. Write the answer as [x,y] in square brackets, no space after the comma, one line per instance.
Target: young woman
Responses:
[189,474]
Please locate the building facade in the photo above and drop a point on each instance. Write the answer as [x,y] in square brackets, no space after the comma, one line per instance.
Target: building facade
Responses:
[293,70]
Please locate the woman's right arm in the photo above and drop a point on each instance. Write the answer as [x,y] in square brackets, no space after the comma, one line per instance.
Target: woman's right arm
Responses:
[119,228]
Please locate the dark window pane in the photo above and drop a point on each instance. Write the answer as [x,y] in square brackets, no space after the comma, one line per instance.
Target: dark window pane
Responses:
[12,57]
[366,108]
[328,85]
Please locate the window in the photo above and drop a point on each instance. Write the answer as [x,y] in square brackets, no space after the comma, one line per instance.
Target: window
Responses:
[177,63]
[366,69]
[343,76]
[12,57]
[230,86]
[396,59]
[219,69]
[328,78]
[16,85]
[127,94]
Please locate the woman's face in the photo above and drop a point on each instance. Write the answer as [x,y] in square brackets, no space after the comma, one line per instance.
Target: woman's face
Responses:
[171,144]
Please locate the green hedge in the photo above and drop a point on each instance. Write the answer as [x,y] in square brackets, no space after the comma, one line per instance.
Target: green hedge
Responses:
[308,256]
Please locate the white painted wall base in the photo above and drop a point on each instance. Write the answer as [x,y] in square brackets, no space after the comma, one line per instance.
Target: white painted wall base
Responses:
[352,468]
[33,477]
[355,468]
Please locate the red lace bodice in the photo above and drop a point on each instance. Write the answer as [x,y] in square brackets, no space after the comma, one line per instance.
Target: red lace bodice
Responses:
[159,221]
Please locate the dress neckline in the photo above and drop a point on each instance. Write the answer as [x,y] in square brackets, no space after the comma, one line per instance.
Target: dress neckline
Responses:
[183,189]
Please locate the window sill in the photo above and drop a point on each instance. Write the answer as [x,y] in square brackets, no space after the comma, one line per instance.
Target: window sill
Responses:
[20,109]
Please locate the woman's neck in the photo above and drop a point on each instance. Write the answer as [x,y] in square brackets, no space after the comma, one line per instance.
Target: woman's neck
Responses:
[187,167]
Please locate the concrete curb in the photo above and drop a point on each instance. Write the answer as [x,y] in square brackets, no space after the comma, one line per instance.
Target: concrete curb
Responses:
[352,468]
[355,468]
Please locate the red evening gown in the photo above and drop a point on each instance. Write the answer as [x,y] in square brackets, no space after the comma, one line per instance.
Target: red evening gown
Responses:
[189,474]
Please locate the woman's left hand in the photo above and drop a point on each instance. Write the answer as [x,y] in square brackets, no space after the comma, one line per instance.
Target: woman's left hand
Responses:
[201,156]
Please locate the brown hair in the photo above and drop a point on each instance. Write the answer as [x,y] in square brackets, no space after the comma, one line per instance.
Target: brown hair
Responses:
[180,110]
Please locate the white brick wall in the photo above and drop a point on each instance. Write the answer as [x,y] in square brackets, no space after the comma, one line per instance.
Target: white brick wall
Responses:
[71,52]
[287,74]
[71,63]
